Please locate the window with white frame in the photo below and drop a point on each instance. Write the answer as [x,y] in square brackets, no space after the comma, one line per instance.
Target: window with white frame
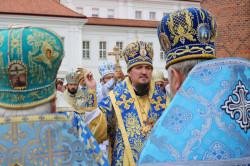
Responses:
[79,10]
[111,13]
[162,55]
[85,49]
[138,15]
[103,50]
[95,12]
[164,14]
[120,45]
[152,15]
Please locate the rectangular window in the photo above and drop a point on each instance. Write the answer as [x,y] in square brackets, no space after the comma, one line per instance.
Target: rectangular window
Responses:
[164,14]
[162,55]
[152,15]
[110,13]
[85,49]
[95,12]
[103,50]
[120,45]
[79,10]
[138,15]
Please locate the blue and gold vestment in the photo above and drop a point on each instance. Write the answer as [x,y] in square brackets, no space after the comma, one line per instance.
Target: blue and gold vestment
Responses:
[121,121]
[48,139]
[208,119]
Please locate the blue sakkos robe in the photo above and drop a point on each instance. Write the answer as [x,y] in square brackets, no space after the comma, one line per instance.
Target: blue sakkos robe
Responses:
[208,119]
[121,121]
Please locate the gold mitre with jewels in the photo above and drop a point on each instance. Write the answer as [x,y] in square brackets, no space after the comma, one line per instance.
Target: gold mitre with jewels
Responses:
[138,52]
[29,61]
[71,77]
[187,34]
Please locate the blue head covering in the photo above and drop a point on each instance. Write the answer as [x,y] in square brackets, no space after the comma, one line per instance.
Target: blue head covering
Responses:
[138,52]
[187,34]
[106,68]
[29,61]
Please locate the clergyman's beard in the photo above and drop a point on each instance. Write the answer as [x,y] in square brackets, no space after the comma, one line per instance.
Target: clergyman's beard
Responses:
[72,91]
[142,89]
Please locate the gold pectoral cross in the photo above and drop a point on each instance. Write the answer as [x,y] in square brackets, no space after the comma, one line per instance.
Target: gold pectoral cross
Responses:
[147,126]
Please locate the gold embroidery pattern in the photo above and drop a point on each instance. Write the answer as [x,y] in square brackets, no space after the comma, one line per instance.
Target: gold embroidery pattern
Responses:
[214,28]
[132,125]
[48,53]
[15,44]
[179,52]
[125,101]
[180,25]
[158,103]
[132,49]
[49,152]
[14,134]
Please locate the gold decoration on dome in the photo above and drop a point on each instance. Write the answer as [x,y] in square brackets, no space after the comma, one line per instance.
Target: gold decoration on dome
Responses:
[36,40]
[132,49]
[179,52]
[214,29]
[125,101]
[48,54]
[15,43]
[180,26]
[202,15]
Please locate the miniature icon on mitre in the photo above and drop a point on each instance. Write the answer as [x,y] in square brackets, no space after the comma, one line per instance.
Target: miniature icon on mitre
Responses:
[48,55]
[17,72]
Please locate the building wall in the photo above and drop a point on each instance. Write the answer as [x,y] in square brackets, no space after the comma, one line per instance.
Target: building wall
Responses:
[123,9]
[233,19]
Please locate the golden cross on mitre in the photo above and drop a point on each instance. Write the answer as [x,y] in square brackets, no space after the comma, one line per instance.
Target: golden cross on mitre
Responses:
[116,53]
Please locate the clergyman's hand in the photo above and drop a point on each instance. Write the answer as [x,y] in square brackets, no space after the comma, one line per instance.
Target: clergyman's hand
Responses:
[90,81]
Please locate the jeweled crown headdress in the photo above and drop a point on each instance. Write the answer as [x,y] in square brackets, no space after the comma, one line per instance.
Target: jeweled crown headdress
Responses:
[29,61]
[187,34]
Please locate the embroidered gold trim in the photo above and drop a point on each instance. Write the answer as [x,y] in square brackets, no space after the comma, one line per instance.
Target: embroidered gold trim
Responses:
[28,105]
[208,56]
[91,92]
[139,63]
[33,118]
[123,130]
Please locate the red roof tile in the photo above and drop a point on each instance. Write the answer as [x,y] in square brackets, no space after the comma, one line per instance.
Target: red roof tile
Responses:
[37,7]
[121,22]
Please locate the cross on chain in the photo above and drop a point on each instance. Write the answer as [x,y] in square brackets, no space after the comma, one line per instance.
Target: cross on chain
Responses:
[125,101]
[116,53]
[17,70]
[158,103]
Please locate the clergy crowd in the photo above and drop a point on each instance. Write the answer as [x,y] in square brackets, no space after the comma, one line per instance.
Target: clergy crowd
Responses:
[199,115]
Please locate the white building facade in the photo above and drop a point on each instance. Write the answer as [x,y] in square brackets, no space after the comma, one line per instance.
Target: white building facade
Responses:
[99,39]
[87,41]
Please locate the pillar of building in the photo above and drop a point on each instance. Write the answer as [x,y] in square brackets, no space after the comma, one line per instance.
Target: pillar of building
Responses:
[233,21]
